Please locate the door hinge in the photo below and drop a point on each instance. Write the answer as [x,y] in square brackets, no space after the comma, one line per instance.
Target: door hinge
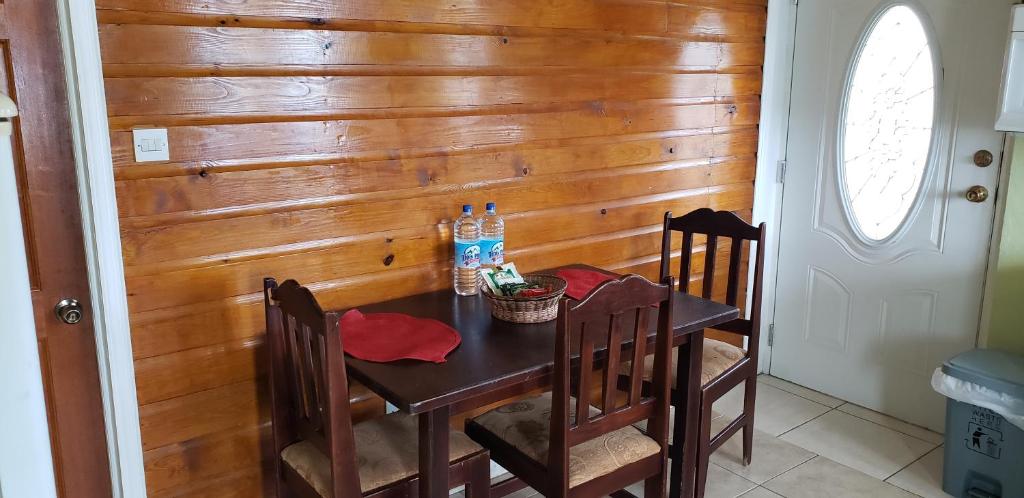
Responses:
[796,2]
[771,334]
[781,172]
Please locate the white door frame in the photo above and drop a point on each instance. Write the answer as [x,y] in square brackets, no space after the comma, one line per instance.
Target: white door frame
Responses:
[780,44]
[80,43]
[773,133]
[997,235]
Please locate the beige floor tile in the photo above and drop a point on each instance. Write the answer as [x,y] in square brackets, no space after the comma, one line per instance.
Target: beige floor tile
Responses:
[724,484]
[771,456]
[526,492]
[731,404]
[923,477]
[866,446]
[801,391]
[775,412]
[638,489]
[721,484]
[760,492]
[893,423]
[821,477]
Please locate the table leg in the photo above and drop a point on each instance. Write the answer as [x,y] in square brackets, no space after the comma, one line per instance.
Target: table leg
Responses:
[434,437]
[693,387]
[685,432]
[678,421]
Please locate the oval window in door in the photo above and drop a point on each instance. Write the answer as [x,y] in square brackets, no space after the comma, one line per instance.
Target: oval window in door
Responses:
[886,122]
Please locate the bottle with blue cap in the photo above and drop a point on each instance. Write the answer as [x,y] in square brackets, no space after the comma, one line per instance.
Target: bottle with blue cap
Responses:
[467,253]
[492,238]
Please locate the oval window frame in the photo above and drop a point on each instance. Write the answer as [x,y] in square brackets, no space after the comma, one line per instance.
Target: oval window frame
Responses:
[937,99]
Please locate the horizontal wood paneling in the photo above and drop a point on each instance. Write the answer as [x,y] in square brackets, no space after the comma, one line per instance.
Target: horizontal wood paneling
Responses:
[267,97]
[700,17]
[234,46]
[242,484]
[235,235]
[333,142]
[231,239]
[212,411]
[253,186]
[323,139]
[175,465]
[172,329]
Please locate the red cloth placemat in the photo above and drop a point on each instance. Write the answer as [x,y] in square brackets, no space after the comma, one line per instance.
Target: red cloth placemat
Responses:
[383,337]
[581,282]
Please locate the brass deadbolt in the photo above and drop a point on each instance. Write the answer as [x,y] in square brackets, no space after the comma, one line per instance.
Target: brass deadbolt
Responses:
[983,158]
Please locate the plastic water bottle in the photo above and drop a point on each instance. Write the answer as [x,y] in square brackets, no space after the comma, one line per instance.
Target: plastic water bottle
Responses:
[492,238]
[467,253]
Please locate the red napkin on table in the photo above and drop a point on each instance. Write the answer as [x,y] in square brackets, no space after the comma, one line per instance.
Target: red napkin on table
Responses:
[383,337]
[581,282]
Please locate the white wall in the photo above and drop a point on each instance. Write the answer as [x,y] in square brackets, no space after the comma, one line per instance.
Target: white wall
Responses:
[26,466]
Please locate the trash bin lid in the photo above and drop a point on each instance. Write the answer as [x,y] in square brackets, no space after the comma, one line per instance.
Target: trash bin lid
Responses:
[997,370]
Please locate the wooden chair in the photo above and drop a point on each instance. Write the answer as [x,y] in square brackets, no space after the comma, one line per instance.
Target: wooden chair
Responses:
[724,366]
[318,451]
[542,441]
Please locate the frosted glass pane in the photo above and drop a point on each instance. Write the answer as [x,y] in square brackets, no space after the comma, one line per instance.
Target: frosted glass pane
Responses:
[888,122]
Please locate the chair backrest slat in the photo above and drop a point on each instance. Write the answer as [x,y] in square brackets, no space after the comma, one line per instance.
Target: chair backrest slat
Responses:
[611,382]
[684,262]
[710,250]
[309,387]
[641,324]
[597,323]
[715,225]
[586,371]
[314,379]
[735,255]
[291,366]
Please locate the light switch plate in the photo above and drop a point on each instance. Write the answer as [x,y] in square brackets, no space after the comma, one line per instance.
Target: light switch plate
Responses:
[150,144]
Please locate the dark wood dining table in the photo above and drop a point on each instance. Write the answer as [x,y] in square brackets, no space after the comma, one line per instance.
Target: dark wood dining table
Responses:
[498,360]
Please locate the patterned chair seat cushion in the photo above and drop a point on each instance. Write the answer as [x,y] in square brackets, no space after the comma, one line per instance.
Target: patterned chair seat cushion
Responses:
[386,452]
[717,358]
[525,425]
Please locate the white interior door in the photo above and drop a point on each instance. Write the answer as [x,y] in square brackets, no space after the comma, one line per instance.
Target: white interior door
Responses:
[882,257]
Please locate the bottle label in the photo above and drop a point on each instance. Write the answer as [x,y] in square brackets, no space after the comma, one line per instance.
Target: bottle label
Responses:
[492,252]
[467,255]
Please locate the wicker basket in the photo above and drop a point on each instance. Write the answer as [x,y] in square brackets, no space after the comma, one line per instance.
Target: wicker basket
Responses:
[528,309]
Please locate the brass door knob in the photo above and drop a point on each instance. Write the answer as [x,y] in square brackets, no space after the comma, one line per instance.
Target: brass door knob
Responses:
[977,193]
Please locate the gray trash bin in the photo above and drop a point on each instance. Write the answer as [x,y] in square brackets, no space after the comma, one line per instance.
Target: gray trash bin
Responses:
[984,452]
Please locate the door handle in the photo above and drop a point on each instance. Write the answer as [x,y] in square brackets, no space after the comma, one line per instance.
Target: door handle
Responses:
[69,311]
[977,193]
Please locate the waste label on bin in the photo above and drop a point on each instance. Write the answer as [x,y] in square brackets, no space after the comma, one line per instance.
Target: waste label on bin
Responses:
[984,433]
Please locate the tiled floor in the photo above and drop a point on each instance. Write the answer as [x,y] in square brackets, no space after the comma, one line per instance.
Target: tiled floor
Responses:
[810,444]
[807,444]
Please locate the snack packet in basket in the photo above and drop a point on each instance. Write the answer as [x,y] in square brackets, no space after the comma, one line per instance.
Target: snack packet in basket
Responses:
[503,280]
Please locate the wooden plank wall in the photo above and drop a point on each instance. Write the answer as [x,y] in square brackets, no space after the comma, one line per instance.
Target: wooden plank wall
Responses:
[334,142]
